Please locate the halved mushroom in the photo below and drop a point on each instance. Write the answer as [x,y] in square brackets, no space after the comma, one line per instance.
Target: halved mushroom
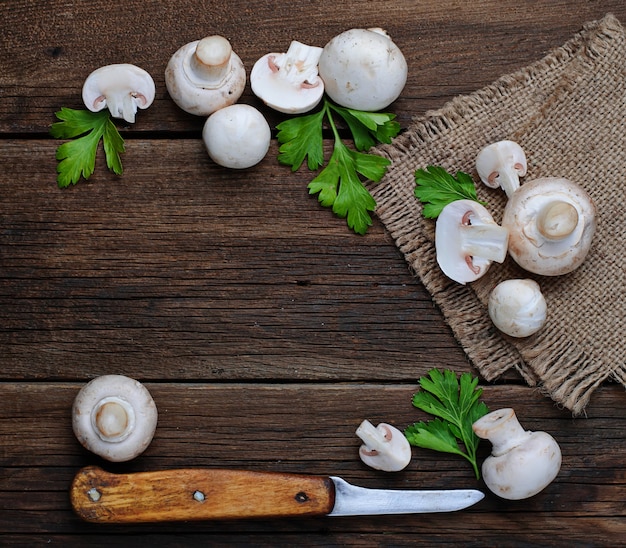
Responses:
[363,69]
[467,240]
[501,164]
[205,75]
[114,417]
[122,88]
[288,82]
[551,222]
[384,447]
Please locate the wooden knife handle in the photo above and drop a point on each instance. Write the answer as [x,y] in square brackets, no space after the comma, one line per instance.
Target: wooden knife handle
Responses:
[197,494]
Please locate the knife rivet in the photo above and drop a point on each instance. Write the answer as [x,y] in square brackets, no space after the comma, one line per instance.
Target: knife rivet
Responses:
[94,495]
[199,496]
[301,497]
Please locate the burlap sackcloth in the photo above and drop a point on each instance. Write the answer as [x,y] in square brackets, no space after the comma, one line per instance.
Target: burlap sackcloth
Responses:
[568,112]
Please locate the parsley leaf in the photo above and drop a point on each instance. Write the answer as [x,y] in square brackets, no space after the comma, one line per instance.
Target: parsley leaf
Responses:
[455,403]
[340,183]
[436,188]
[78,157]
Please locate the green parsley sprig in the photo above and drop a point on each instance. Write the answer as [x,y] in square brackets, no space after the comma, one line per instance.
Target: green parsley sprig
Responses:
[339,185]
[436,188]
[78,157]
[456,403]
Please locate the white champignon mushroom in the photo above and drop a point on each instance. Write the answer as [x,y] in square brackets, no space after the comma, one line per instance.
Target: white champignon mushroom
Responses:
[363,69]
[384,447]
[121,87]
[467,240]
[551,222]
[517,307]
[237,136]
[522,463]
[501,164]
[289,82]
[114,417]
[205,75]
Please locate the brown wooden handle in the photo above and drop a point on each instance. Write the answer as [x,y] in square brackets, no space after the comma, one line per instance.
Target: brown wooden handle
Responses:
[197,494]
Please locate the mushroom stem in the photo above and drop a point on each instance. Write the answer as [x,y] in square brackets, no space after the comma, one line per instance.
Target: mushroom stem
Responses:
[557,220]
[502,429]
[122,105]
[113,419]
[508,178]
[299,65]
[211,60]
[487,241]
[372,437]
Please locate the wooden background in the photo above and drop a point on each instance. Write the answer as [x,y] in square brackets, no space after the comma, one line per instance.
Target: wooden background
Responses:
[265,330]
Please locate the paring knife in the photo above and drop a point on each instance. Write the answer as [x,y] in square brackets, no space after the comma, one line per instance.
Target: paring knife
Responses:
[204,494]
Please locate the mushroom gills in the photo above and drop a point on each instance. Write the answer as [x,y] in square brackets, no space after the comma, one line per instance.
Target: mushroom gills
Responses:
[122,88]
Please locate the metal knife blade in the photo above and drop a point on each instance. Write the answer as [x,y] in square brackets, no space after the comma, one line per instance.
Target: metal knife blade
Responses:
[351,500]
[203,494]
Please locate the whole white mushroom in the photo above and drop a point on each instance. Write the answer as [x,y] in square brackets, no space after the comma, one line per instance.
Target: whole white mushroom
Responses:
[551,223]
[522,463]
[363,69]
[517,307]
[114,417]
[237,136]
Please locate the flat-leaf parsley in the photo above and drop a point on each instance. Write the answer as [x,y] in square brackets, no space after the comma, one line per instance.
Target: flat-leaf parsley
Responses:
[456,405]
[339,185]
[436,188]
[78,157]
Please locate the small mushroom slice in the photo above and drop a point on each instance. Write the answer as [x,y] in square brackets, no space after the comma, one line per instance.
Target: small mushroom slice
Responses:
[551,222]
[384,447]
[205,75]
[123,88]
[467,240]
[501,164]
[288,82]
[114,417]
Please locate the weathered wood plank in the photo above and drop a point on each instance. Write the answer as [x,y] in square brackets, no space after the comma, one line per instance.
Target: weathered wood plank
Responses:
[310,429]
[451,48]
[265,330]
[218,276]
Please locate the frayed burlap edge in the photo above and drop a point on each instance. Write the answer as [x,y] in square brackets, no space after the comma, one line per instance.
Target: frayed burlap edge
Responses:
[463,306]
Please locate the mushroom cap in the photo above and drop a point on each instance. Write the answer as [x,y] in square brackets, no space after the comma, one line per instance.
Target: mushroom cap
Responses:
[551,223]
[205,75]
[502,164]
[289,82]
[237,136]
[517,307]
[467,240]
[114,417]
[363,69]
[121,87]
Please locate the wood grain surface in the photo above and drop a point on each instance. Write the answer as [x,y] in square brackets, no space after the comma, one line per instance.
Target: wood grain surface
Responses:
[265,330]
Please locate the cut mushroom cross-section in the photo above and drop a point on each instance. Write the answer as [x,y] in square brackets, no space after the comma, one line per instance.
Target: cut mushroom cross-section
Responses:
[384,447]
[467,240]
[501,164]
[122,88]
[288,82]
